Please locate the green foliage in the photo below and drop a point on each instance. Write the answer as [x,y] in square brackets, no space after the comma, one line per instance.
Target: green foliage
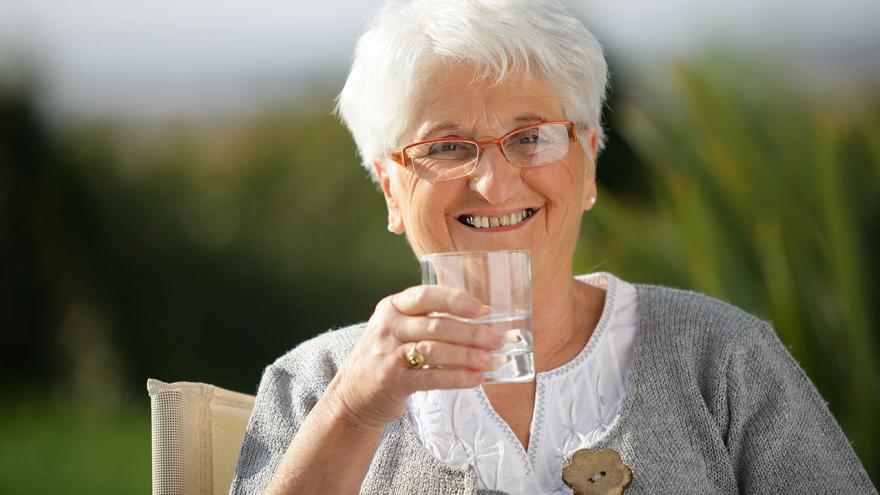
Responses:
[47,447]
[768,200]
[250,236]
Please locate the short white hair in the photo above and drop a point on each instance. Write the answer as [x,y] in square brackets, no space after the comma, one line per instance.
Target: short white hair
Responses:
[407,39]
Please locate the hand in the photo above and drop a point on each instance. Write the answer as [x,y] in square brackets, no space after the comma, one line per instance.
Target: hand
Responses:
[375,380]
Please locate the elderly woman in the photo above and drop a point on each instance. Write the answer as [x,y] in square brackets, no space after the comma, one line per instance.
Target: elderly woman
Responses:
[480,122]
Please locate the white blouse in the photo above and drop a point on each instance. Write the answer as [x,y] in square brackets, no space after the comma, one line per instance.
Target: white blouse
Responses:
[575,404]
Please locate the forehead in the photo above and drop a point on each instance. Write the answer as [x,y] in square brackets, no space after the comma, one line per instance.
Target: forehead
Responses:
[459,98]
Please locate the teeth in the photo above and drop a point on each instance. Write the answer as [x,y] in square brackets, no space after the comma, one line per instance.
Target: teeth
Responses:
[483,222]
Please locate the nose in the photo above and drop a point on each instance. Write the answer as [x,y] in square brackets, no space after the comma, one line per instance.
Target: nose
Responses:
[494,178]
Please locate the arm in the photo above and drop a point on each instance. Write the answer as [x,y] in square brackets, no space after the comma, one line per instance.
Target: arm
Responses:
[310,436]
[781,436]
[313,464]
[289,390]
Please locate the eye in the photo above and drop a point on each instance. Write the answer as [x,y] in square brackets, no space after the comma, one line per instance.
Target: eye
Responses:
[444,147]
[528,137]
[450,150]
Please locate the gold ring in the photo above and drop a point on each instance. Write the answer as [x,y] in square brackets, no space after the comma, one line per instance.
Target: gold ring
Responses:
[415,359]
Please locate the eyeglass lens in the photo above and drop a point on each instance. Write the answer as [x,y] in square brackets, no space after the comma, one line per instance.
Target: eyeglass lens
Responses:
[531,147]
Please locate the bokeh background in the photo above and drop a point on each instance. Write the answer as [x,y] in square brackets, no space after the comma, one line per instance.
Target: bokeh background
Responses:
[177,202]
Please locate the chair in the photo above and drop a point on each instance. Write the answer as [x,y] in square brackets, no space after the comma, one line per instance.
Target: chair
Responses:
[197,430]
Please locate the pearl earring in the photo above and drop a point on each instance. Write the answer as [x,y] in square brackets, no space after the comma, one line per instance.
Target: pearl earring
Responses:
[390,228]
[593,200]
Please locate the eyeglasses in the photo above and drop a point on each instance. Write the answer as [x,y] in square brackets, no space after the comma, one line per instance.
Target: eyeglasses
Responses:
[533,145]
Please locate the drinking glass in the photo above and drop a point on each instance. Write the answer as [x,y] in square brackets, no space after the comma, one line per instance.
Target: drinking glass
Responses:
[501,280]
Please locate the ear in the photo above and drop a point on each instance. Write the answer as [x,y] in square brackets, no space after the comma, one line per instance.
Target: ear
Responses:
[395,219]
[594,143]
[590,192]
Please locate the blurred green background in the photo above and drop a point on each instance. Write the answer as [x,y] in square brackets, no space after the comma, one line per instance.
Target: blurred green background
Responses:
[201,249]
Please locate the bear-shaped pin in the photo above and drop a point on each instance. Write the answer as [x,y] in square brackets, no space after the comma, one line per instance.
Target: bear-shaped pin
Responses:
[596,472]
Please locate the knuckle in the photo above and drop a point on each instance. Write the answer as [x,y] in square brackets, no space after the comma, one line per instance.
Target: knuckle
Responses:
[433,326]
[427,348]
[458,298]
[419,296]
[384,308]
[384,304]
[405,299]
[470,378]
[485,338]
[474,355]
[384,330]
[459,376]
[379,325]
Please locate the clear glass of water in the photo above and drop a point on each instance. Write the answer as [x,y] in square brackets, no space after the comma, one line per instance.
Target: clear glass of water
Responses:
[502,281]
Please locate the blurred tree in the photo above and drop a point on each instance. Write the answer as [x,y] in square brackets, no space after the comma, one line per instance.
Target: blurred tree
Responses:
[45,284]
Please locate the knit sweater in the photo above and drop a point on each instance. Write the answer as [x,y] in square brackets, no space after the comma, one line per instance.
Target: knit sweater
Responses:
[714,404]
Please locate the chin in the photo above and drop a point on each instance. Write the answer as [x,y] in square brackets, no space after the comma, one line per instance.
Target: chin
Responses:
[492,244]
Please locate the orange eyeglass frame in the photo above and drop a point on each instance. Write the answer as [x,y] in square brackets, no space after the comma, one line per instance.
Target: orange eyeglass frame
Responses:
[398,156]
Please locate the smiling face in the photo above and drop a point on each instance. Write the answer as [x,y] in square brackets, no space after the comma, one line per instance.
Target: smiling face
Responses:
[499,206]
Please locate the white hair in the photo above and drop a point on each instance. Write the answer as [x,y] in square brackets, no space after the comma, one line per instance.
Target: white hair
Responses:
[406,39]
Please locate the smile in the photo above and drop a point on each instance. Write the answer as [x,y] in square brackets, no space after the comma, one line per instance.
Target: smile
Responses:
[488,222]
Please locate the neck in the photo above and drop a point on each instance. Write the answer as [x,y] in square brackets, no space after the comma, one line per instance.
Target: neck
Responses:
[564,316]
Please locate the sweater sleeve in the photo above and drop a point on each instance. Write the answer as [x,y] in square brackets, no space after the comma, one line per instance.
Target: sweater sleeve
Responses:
[781,436]
[282,404]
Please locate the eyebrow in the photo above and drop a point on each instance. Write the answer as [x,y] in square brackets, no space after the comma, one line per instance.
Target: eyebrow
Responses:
[435,129]
[451,126]
[530,118]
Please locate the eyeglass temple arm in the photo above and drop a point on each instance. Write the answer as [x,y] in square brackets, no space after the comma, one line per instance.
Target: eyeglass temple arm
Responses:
[573,130]
[397,157]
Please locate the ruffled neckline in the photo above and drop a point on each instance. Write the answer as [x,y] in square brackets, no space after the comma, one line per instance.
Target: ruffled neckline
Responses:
[461,427]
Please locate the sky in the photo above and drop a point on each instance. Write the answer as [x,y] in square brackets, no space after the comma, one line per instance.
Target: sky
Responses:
[164,57]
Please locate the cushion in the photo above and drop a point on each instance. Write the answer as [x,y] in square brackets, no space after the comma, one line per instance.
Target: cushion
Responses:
[197,430]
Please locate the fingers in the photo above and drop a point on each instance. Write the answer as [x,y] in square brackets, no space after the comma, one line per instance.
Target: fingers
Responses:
[424,299]
[414,329]
[450,355]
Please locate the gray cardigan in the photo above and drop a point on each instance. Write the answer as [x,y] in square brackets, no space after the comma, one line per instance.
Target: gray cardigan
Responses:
[714,404]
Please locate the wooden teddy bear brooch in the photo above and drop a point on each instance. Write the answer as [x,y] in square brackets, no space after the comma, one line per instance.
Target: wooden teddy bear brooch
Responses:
[596,472]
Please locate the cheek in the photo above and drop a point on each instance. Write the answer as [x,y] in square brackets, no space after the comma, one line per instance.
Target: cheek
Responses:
[405,191]
[425,215]
[427,221]
[559,184]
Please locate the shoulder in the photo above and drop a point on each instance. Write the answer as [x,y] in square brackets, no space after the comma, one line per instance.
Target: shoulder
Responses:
[682,306]
[681,314]
[694,334]
[318,359]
